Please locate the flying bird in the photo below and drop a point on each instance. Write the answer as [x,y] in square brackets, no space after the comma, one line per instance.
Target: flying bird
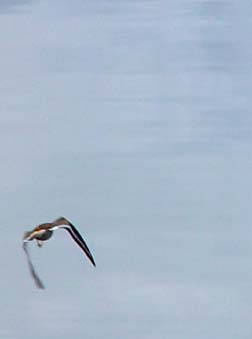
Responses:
[44,232]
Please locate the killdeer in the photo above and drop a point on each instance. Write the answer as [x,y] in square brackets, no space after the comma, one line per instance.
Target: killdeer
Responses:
[44,232]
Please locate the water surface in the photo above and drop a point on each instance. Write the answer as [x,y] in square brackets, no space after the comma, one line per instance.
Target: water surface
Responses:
[132,119]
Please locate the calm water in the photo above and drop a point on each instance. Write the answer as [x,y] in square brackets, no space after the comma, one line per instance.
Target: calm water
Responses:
[134,120]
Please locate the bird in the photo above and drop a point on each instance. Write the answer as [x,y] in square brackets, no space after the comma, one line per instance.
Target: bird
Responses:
[43,232]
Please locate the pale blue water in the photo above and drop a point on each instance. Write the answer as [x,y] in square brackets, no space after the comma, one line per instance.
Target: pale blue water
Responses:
[132,119]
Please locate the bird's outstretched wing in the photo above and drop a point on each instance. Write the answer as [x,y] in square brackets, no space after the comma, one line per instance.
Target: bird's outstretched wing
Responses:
[36,278]
[75,235]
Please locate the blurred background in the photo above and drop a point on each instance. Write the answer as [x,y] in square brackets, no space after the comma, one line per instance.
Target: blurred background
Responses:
[133,120]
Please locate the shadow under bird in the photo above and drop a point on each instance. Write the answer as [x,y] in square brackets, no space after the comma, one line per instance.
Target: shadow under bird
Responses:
[44,232]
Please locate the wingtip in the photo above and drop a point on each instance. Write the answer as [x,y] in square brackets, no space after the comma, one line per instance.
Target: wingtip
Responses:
[92,260]
[39,284]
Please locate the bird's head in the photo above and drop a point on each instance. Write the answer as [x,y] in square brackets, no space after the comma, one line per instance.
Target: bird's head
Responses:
[27,235]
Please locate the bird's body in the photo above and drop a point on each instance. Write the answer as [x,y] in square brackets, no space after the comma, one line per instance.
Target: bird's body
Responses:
[44,231]
[41,232]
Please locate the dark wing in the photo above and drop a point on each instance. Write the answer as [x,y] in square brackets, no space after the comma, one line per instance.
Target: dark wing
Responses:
[78,239]
[36,278]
